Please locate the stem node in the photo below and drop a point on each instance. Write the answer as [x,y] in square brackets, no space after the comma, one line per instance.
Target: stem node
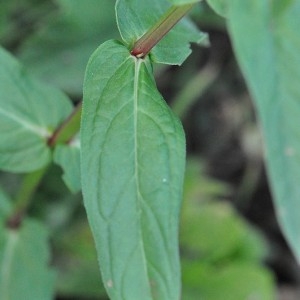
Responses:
[145,44]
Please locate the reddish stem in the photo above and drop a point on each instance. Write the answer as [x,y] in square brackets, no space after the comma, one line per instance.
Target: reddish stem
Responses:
[144,45]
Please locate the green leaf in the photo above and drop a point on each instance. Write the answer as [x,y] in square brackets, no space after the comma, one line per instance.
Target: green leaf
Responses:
[24,258]
[68,157]
[59,51]
[219,6]
[204,232]
[267,44]
[136,17]
[29,113]
[204,281]
[133,154]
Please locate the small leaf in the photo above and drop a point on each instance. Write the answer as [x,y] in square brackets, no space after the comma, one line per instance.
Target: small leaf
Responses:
[136,17]
[267,44]
[133,154]
[29,113]
[68,157]
[24,258]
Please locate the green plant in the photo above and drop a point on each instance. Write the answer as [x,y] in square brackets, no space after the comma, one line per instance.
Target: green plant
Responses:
[221,254]
[131,145]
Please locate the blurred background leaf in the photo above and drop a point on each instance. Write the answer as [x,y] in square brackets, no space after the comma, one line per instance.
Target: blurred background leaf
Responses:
[24,258]
[231,245]
[221,253]
[59,51]
[76,262]
[276,93]
[26,122]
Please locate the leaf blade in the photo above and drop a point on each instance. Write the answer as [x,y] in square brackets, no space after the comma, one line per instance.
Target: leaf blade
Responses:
[128,193]
[23,263]
[29,113]
[271,41]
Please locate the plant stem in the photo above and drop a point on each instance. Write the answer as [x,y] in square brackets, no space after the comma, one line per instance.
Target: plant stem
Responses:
[63,134]
[144,45]
[24,196]
[66,131]
[193,90]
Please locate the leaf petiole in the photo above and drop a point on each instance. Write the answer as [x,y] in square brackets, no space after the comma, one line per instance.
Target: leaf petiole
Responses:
[70,127]
[24,197]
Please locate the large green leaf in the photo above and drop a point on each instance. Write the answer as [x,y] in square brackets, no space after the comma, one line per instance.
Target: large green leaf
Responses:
[133,154]
[136,17]
[24,258]
[29,113]
[266,40]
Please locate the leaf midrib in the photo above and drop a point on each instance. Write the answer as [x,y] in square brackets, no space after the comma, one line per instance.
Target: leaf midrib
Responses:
[137,64]
[25,124]
[6,268]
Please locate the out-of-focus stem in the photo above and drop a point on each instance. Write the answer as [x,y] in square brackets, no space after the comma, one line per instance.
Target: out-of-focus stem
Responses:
[63,134]
[193,90]
[70,127]
[24,197]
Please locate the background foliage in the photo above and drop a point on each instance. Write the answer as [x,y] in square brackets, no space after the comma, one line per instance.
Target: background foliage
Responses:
[228,233]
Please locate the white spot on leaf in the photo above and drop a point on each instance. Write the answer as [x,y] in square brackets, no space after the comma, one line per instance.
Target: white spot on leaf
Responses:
[290,151]
[109,283]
